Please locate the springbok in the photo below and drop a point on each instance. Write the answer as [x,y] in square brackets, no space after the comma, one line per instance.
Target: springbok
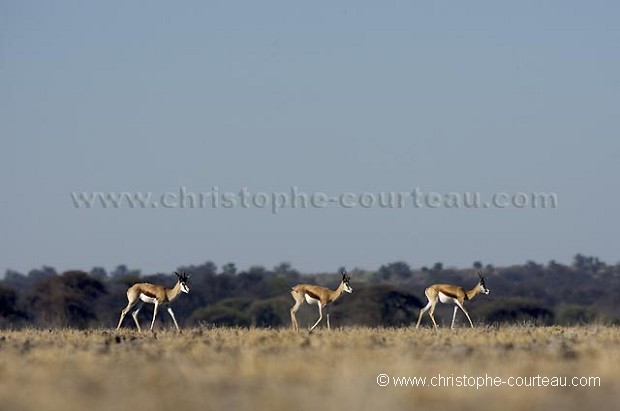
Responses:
[153,294]
[447,294]
[321,296]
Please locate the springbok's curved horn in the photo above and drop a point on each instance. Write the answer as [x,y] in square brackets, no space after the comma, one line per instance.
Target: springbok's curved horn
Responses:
[480,275]
[345,275]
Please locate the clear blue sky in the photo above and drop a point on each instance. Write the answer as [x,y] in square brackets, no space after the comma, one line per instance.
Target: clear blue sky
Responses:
[330,96]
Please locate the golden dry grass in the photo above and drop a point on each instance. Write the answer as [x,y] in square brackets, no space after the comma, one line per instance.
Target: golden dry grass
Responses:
[281,370]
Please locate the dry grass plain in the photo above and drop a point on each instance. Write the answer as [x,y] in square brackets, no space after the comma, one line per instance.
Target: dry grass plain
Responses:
[264,369]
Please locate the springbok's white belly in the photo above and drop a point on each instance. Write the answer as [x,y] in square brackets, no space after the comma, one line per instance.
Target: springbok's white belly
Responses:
[445,299]
[147,299]
[311,300]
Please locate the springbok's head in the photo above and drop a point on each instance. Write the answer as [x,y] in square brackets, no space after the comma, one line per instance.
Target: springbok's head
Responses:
[183,281]
[345,281]
[483,286]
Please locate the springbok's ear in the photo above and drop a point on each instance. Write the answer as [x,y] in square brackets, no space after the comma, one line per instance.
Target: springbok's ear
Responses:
[178,275]
[188,277]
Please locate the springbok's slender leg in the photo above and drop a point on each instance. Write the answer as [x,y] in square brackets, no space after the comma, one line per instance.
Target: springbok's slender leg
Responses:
[134,314]
[422,311]
[130,305]
[154,314]
[456,307]
[431,312]
[460,305]
[173,319]
[320,316]
[298,301]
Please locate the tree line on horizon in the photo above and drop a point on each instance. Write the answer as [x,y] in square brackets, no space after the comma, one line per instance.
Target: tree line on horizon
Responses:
[544,294]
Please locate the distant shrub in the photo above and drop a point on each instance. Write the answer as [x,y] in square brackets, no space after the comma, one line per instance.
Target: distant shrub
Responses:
[8,301]
[273,312]
[379,305]
[66,300]
[575,314]
[515,310]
